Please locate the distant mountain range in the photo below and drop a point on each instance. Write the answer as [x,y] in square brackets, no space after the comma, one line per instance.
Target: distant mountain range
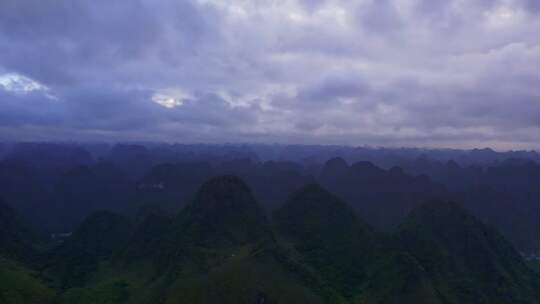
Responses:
[55,186]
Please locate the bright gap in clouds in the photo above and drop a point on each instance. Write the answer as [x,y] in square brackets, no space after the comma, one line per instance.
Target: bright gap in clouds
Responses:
[17,83]
[167,101]
[171,98]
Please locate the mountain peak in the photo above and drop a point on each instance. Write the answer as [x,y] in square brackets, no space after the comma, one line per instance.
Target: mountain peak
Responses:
[336,162]
[224,211]
[367,168]
[313,209]
[314,194]
[227,194]
[219,190]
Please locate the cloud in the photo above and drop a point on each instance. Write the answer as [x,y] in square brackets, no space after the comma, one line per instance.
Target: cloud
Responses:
[531,6]
[393,72]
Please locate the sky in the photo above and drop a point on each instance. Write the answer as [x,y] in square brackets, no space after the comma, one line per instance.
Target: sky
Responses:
[429,73]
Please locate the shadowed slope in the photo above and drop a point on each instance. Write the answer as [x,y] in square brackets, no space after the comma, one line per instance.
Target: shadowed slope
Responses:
[363,266]
[224,212]
[468,262]
[98,237]
[219,249]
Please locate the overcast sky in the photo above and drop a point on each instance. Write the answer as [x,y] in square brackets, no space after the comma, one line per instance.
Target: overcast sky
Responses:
[435,73]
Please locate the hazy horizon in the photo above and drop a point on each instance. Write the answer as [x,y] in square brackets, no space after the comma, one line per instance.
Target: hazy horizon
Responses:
[172,143]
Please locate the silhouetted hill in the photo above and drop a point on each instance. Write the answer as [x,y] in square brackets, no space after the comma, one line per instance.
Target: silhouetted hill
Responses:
[333,171]
[219,248]
[382,197]
[271,181]
[196,238]
[134,160]
[83,190]
[16,238]
[49,160]
[467,261]
[172,186]
[362,265]
[47,185]
[24,192]
[147,240]
[224,211]
[19,283]
[504,194]
[98,237]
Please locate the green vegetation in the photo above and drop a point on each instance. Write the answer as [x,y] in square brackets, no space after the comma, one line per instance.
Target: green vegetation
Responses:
[99,236]
[534,265]
[360,264]
[18,285]
[467,261]
[221,248]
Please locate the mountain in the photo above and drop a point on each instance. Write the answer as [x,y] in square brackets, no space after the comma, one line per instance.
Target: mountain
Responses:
[271,181]
[99,236]
[335,167]
[224,212]
[172,186]
[49,160]
[18,282]
[504,194]
[222,248]
[135,160]
[19,285]
[16,239]
[147,238]
[54,186]
[23,191]
[467,261]
[381,197]
[222,243]
[218,249]
[83,190]
[360,264]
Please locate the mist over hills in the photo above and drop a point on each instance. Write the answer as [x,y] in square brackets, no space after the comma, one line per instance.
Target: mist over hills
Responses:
[94,223]
[42,180]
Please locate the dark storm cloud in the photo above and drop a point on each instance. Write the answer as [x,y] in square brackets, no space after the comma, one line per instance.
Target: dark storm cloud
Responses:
[392,72]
